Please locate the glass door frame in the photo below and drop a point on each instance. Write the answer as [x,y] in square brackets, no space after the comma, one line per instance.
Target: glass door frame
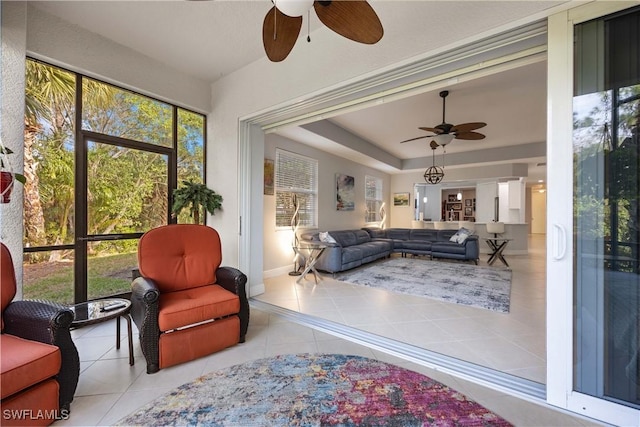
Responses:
[82,238]
[560,275]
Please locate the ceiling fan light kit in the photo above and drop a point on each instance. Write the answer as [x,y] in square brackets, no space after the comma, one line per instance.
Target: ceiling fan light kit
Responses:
[353,19]
[445,132]
[443,139]
[293,8]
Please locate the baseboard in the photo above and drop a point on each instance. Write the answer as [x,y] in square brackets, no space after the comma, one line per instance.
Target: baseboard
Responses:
[267,274]
[257,289]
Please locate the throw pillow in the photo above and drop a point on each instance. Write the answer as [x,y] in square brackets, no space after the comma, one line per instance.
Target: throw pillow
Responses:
[460,236]
[325,237]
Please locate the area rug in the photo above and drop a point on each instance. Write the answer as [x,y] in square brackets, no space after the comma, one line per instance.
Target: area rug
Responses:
[476,286]
[314,390]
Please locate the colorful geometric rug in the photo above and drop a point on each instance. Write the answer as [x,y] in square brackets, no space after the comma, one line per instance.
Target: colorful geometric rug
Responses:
[314,390]
[477,286]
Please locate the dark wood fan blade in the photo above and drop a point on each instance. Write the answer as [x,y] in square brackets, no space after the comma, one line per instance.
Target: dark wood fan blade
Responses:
[437,131]
[466,127]
[279,34]
[469,135]
[353,19]
[413,139]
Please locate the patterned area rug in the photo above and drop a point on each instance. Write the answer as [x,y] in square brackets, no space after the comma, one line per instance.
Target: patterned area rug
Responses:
[477,286]
[314,390]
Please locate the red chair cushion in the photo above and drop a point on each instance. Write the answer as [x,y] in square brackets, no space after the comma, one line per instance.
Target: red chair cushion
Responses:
[7,279]
[37,406]
[180,256]
[25,363]
[187,307]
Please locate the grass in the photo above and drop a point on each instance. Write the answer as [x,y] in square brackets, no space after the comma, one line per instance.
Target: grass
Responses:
[54,281]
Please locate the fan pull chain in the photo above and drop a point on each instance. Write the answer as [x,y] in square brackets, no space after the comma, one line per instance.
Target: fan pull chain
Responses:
[308,26]
[275,18]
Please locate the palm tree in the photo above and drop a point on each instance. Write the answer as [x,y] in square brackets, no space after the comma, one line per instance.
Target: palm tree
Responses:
[49,96]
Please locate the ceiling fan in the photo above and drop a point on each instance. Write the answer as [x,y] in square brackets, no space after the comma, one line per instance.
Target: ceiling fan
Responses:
[445,132]
[353,19]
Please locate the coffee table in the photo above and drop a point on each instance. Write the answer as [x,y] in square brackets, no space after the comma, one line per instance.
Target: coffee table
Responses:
[98,311]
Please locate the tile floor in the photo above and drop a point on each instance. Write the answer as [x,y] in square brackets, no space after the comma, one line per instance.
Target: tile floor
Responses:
[110,389]
[513,343]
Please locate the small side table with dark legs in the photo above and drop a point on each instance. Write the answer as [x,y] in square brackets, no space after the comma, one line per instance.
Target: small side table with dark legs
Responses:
[497,245]
[98,311]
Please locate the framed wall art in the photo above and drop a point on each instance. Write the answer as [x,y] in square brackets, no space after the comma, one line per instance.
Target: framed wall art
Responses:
[345,192]
[400,199]
[269,170]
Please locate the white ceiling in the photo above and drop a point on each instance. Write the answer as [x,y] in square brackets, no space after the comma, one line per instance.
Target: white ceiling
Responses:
[210,39]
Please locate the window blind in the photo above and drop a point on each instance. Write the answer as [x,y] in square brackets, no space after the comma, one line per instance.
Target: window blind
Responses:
[373,198]
[296,175]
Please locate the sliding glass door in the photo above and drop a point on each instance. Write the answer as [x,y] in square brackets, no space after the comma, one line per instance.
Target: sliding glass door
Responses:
[596,236]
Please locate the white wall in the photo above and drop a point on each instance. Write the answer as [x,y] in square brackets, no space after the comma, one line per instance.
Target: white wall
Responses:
[277,242]
[13,16]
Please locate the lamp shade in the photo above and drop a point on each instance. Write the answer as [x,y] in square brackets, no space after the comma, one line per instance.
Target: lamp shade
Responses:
[459,196]
[293,7]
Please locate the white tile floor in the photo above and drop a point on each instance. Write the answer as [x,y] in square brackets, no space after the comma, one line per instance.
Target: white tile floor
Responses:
[110,389]
[513,343]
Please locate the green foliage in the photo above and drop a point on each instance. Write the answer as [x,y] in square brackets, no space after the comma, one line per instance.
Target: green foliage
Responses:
[4,152]
[194,195]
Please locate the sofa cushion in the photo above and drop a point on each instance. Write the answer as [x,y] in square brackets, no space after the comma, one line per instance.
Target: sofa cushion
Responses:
[421,234]
[373,248]
[351,254]
[376,233]
[448,248]
[25,363]
[417,245]
[345,238]
[399,233]
[445,235]
[184,308]
[362,236]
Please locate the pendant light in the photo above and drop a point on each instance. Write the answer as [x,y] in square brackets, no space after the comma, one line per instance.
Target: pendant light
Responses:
[433,174]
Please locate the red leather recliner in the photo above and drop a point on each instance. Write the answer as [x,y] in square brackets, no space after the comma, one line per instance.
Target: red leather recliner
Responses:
[38,359]
[184,304]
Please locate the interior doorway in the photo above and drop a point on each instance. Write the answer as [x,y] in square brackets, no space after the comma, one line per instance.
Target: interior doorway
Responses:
[538,212]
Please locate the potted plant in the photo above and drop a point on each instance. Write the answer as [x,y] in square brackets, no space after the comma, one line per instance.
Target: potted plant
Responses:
[194,196]
[7,177]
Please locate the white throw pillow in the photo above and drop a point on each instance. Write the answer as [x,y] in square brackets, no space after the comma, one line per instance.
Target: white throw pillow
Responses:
[325,237]
[460,236]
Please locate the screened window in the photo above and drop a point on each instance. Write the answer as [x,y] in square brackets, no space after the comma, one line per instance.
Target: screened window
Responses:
[373,198]
[110,110]
[82,218]
[297,176]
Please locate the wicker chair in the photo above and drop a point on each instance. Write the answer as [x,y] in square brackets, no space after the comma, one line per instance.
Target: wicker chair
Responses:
[39,361]
[184,304]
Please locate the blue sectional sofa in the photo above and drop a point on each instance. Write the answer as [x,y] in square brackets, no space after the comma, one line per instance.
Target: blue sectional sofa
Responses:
[434,243]
[353,248]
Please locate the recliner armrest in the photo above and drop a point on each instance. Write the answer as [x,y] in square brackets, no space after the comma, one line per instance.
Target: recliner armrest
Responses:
[145,297]
[49,323]
[36,320]
[235,281]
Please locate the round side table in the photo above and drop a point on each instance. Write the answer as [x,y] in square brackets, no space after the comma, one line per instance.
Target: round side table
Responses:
[98,311]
